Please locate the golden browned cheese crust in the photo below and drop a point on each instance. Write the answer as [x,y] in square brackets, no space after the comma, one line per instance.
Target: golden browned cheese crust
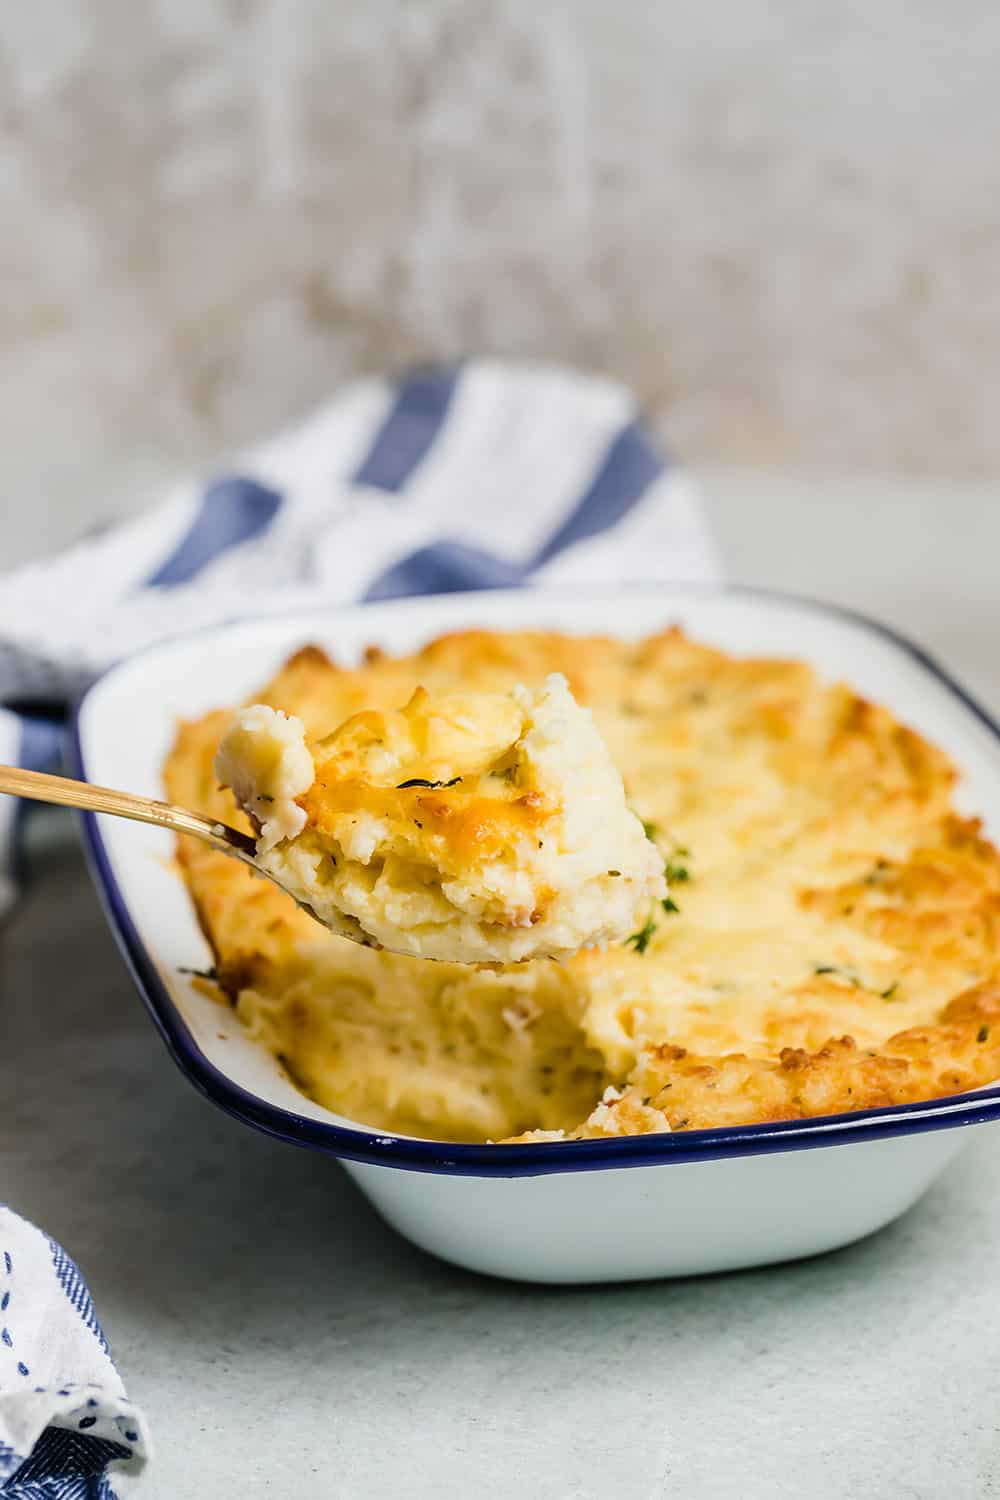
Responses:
[480,820]
[834,944]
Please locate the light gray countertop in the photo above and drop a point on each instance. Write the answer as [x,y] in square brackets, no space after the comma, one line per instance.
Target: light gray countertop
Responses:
[284,1341]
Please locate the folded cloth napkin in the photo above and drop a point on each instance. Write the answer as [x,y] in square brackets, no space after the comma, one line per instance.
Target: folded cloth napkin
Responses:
[482,475]
[67,1430]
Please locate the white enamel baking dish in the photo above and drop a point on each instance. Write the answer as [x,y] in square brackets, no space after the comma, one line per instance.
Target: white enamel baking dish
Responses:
[663,1205]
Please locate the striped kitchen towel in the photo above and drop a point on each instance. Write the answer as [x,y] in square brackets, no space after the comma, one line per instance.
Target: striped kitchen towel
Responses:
[67,1429]
[482,475]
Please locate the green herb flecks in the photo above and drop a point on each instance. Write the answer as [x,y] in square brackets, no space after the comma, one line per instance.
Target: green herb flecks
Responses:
[669,905]
[847,974]
[650,829]
[433,786]
[852,978]
[641,940]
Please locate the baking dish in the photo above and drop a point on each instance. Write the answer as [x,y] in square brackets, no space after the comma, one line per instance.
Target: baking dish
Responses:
[644,1206]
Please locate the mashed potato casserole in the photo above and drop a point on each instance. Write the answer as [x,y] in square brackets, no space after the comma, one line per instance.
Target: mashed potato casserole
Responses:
[830,940]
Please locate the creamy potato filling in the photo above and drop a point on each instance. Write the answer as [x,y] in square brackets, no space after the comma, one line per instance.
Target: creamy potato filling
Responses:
[265,761]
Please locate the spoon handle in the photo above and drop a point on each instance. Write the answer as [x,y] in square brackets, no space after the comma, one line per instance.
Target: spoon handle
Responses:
[41,787]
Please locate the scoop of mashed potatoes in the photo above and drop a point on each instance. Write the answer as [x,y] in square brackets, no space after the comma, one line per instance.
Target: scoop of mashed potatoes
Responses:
[265,760]
[472,828]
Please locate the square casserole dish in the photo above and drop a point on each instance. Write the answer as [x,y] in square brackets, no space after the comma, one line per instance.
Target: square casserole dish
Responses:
[655,1205]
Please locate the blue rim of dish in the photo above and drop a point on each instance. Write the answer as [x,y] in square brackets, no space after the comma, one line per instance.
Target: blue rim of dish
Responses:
[382,1148]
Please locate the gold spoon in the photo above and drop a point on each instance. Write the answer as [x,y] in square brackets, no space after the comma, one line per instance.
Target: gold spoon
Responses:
[41,787]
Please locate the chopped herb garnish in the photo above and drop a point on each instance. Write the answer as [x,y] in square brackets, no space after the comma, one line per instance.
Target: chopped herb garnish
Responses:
[614,872]
[847,974]
[650,829]
[852,978]
[431,785]
[676,873]
[982,1034]
[210,974]
[640,940]
[669,905]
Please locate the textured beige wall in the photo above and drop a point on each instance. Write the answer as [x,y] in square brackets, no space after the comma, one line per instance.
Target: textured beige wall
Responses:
[779,221]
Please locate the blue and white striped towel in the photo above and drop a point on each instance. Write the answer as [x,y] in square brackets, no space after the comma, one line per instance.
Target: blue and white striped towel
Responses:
[480,476]
[67,1430]
[483,475]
